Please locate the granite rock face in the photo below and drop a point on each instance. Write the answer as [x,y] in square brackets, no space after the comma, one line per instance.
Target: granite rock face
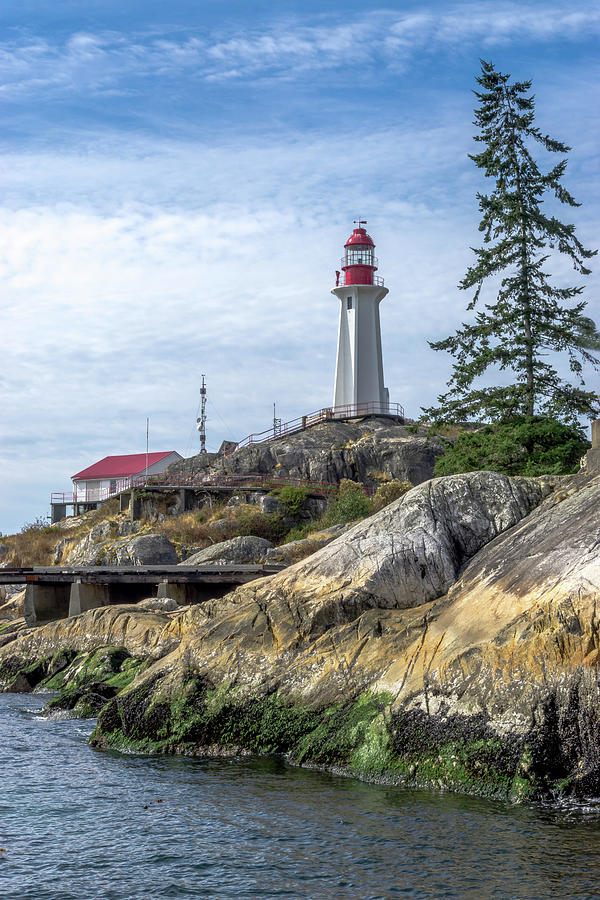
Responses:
[404,556]
[370,450]
[95,548]
[451,640]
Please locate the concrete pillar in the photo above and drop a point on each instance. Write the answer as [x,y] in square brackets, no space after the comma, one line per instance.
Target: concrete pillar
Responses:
[186,594]
[46,602]
[135,507]
[59,511]
[176,591]
[87,596]
[596,434]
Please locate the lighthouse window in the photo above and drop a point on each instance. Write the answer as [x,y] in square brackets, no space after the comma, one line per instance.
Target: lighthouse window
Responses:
[349,303]
[360,257]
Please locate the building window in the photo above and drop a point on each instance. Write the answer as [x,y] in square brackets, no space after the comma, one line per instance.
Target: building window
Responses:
[349,303]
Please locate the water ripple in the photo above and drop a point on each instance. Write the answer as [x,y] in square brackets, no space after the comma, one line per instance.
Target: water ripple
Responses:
[79,823]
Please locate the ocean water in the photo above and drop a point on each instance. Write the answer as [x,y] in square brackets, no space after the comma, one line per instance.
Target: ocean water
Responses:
[81,823]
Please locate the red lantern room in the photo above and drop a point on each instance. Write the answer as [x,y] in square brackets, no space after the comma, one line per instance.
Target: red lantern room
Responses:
[359,263]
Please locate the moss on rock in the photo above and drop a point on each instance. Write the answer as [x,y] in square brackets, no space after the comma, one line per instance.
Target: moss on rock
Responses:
[90,680]
[361,737]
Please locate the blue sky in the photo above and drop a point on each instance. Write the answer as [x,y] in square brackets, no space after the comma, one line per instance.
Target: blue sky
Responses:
[176,185]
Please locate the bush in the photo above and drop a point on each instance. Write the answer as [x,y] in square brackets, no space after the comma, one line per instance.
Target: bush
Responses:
[292,497]
[351,503]
[250,521]
[38,524]
[389,492]
[299,532]
[525,446]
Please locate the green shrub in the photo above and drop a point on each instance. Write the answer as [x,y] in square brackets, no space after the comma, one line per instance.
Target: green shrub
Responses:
[292,497]
[298,532]
[250,521]
[387,493]
[525,446]
[351,503]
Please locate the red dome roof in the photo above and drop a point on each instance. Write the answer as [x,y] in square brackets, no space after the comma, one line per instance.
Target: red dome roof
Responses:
[359,236]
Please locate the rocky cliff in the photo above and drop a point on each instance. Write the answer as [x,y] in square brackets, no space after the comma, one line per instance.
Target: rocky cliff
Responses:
[450,641]
[371,450]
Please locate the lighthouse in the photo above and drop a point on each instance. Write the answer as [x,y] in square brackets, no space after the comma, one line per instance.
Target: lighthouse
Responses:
[359,363]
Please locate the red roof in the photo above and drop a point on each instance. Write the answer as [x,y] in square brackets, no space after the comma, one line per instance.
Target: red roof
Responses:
[120,466]
[359,236]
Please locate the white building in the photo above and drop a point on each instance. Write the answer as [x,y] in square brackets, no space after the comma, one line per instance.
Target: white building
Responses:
[117,473]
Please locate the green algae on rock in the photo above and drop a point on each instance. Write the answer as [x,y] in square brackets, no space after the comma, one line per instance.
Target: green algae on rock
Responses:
[362,737]
[86,681]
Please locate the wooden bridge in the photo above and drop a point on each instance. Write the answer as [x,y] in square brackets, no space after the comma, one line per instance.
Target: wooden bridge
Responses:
[55,592]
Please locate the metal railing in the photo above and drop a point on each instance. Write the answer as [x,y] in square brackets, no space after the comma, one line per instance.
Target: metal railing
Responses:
[235,482]
[350,411]
[375,280]
[92,495]
[206,482]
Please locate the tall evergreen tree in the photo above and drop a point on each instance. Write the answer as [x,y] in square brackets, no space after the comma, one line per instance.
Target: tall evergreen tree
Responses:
[530,319]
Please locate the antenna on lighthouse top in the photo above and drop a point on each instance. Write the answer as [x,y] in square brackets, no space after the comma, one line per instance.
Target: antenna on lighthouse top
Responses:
[202,419]
[360,222]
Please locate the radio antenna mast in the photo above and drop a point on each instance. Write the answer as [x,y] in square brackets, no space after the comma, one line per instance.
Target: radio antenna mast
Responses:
[276,422]
[202,420]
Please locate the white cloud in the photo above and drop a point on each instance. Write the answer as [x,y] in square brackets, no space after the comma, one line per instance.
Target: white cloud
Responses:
[87,62]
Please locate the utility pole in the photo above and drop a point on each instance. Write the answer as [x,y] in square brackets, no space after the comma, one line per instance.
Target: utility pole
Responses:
[202,420]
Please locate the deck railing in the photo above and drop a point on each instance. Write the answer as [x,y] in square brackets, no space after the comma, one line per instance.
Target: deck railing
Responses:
[206,482]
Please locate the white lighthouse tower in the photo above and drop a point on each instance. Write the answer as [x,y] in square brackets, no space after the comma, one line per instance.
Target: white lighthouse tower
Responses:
[359,365]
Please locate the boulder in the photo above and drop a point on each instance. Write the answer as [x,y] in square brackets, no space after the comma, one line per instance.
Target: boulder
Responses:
[270,506]
[160,604]
[12,607]
[104,546]
[243,550]
[145,550]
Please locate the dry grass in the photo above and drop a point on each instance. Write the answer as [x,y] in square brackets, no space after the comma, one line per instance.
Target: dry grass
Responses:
[306,548]
[33,547]
[189,528]
[35,543]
